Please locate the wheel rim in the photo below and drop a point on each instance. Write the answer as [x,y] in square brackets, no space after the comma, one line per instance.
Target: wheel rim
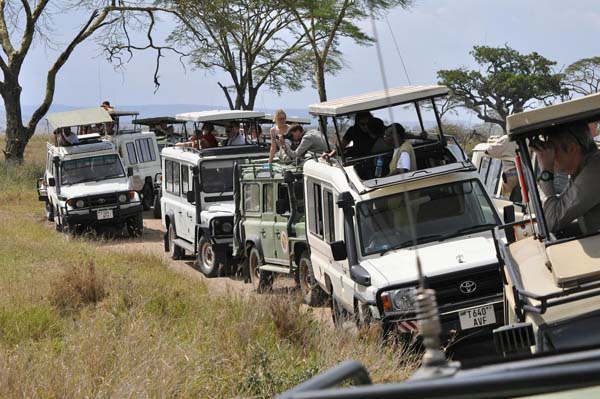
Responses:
[208,256]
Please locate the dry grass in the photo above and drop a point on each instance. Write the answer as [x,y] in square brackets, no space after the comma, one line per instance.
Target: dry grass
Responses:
[142,330]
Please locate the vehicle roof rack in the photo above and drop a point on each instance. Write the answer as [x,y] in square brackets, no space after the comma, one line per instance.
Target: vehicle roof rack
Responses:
[219,115]
[79,117]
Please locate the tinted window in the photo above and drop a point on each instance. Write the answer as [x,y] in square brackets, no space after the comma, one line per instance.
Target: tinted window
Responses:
[217,176]
[91,169]
[252,197]
[185,176]
[329,216]
[176,180]
[268,198]
[315,209]
[131,153]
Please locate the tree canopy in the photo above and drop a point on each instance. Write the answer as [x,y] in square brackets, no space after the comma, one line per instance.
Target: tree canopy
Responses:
[583,76]
[507,82]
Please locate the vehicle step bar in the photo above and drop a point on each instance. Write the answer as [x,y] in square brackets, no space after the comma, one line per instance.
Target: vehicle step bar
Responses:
[184,244]
[275,269]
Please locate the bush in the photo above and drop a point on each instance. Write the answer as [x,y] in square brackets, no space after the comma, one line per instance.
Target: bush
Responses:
[77,287]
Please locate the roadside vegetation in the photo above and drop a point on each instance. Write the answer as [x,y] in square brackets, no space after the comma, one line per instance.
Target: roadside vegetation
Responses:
[79,320]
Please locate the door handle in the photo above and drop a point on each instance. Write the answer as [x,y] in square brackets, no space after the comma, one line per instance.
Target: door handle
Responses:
[278,234]
[263,233]
[180,212]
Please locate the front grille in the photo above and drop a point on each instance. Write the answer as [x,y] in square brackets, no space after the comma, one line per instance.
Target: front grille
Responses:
[475,284]
[104,200]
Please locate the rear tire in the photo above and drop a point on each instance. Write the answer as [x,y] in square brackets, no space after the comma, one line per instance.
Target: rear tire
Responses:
[338,312]
[49,211]
[206,258]
[175,251]
[147,196]
[135,225]
[312,293]
[262,281]
[157,212]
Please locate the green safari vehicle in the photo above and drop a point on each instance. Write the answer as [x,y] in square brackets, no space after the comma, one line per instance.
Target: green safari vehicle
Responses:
[271,229]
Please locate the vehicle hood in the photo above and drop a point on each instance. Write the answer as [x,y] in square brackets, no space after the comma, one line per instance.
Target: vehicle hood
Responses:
[95,188]
[213,209]
[437,258]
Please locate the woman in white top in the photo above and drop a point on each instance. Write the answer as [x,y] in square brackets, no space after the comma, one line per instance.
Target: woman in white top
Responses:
[281,128]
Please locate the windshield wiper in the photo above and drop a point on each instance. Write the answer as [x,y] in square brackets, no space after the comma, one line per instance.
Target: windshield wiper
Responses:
[470,229]
[408,243]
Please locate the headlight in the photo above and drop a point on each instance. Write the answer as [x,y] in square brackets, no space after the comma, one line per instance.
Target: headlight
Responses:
[80,204]
[401,300]
[122,198]
[227,227]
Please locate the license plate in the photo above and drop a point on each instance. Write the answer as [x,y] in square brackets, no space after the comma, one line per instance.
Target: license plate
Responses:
[103,214]
[477,317]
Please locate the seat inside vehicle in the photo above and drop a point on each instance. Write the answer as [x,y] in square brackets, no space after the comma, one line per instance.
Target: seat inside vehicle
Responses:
[576,261]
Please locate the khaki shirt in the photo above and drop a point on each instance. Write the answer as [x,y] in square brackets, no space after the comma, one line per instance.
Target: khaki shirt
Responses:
[581,199]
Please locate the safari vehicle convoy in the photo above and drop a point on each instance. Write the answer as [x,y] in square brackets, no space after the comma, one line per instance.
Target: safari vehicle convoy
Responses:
[270,226]
[197,193]
[359,218]
[85,183]
[552,286]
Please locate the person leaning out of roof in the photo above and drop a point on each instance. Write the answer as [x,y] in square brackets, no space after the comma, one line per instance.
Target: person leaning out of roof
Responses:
[570,148]
[311,141]
[403,159]
[65,137]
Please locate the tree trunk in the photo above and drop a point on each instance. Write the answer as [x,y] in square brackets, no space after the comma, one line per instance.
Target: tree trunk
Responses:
[17,135]
[320,79]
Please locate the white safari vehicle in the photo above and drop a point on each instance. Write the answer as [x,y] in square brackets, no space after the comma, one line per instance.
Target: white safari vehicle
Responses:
[365,231]
[552,280]
[197,194]
[85,184]
[139,150]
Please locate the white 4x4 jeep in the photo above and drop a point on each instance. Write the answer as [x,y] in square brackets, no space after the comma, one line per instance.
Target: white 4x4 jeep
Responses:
[365,232]
[197,194]
[85,184]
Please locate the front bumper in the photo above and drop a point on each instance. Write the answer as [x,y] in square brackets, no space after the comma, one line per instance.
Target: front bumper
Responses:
[89,216]
[450,320]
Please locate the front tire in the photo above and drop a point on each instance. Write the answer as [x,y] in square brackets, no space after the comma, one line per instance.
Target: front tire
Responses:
[312,293]
[262,281]
[135,225]
[175,251]
[49,211]
[206,258]
[338,312]
[147,196]
[157,212]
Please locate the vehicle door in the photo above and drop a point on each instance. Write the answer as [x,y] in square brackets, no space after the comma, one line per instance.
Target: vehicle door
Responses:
[172,200]
[251,211]
[188,217]
[280,221]
[267,222]
[148,160]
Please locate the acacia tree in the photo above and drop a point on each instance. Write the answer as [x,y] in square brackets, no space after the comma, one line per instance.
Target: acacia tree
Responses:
[325,22]
[251,40]
[507,82]
[583,76]
[25,21]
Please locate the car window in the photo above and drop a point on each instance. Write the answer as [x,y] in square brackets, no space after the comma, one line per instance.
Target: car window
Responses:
[268,198]
[185,175]
[329,216]
[315,206]
[252,197]
[131,153]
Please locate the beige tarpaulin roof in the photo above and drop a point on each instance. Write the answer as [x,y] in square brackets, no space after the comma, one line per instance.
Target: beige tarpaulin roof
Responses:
[79,117]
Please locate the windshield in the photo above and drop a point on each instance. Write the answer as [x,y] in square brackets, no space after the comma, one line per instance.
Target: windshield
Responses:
[91,169]
[440,212]
[217,176]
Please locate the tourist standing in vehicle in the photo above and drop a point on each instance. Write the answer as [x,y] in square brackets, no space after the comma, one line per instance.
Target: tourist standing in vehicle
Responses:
[278,132]
[569,148]
[234,136]
[312,141]
[208,139]
[65,137]
[404,159]
[361,135]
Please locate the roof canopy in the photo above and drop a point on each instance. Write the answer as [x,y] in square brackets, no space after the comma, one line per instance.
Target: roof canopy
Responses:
[118,113]
[290,119]
[158,120]
[528,123]
[79,117]
[376,100]
[219,115]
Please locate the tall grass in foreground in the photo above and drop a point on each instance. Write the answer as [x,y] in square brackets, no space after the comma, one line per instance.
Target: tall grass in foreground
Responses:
[77,320]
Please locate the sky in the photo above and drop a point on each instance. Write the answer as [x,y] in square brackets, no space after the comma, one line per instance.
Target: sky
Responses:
[431,35]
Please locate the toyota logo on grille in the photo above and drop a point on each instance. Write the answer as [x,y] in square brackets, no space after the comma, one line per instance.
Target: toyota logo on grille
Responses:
[468,287]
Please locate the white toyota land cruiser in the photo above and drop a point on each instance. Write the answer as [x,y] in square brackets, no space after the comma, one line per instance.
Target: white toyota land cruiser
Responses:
[365,232]
[197,194]
[85,184]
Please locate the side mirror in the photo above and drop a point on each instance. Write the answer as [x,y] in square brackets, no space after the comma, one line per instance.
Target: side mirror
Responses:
[52,182]
[360,275]
[129,171]
[190,197]
[338,250]
[281,206]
